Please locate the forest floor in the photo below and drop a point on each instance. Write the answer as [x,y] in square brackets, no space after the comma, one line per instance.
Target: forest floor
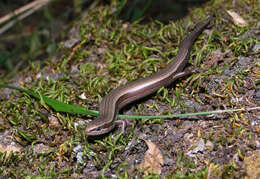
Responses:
[103,53]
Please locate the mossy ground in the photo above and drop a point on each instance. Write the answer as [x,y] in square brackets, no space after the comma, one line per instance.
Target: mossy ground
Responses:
[107,53]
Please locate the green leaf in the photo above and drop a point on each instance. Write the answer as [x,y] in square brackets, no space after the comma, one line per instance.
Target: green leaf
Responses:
[56,105]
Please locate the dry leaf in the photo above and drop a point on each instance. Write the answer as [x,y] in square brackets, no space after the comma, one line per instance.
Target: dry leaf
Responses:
[238,20]
[153,160]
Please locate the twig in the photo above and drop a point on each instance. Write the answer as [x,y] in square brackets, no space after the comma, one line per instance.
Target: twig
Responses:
[30,8]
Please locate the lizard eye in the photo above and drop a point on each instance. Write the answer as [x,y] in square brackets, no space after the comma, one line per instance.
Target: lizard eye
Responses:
[98,129]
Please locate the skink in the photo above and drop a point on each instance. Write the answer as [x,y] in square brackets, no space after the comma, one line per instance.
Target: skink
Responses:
[123,95]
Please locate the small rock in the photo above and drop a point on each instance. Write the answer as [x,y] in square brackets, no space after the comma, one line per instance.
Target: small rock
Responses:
[7,143]
[74,69]
[40,148]
[256,48]
[70,43]
[200,148]
[209,144]
[53,121]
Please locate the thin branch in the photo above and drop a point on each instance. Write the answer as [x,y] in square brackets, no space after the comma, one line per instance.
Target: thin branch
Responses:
[21,13]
